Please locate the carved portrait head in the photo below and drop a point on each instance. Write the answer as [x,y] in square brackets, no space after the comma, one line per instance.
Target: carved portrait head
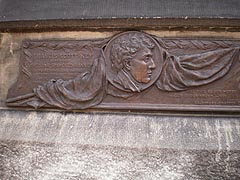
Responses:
[133,64]
[134,56]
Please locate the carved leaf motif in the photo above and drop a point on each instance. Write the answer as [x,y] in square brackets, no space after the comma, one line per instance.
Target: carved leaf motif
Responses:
[196,44]
[27,63]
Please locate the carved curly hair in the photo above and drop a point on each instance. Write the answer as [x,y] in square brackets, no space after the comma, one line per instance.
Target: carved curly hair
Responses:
[126,47]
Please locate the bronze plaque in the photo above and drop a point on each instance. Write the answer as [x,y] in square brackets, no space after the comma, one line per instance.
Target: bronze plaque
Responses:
[132,70]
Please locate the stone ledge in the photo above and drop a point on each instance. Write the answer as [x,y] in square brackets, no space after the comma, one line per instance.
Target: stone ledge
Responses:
[128,130]
[30,16]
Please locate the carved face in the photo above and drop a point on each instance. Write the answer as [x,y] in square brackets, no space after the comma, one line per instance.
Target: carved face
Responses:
[141,66]
[133,61]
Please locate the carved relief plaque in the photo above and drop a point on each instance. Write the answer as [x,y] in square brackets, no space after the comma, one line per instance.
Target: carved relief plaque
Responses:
[132,70]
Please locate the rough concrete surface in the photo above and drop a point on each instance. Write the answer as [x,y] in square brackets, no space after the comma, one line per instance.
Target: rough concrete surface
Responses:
[54,161]
[53,145]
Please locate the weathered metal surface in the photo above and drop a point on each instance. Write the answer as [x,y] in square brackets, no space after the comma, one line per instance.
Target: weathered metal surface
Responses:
[132,70]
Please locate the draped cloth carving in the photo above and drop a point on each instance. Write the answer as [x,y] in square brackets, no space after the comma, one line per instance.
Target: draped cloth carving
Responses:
[86,90]
[181,73]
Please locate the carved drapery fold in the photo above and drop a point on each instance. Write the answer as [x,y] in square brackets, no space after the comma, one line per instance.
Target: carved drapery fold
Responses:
[86,90]
[181,73]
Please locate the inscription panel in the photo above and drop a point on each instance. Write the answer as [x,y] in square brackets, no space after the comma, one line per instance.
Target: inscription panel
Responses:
[210,97]
[133,70]
[44,61]
[65,66]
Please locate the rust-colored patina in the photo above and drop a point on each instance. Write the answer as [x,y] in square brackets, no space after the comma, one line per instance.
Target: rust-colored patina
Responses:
[132,70]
